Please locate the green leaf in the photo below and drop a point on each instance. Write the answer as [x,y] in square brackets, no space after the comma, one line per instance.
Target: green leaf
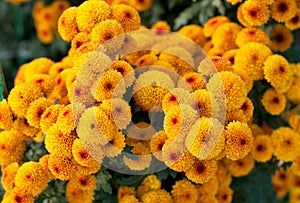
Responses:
[220,6]
[186,15]
[256,187]
[103,178]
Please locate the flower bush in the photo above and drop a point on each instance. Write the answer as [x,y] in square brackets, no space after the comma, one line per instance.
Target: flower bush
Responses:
[121,109]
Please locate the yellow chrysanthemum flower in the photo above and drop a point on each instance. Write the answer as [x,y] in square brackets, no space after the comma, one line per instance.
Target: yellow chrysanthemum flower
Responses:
[22,126]
[295,195]
[222,174]
[83,170]
[124,191]
[156,144]
[194,32]
[204,103]
[294,121]
[141,5]
[84,182]
[295,167]
[251,57]
[11,147]
[106,30]
[205,139]
[94,127]
[282,38]
[278,73]
[45,82]
[8,176]
[118,111]
[67,25]
[225,194]
[179,58]
[239,140]
[234,89]
[43,161]
[85,156]
[240,167]
[31,178]
[21,96]
[294,22]
[6,119]
[38,66]
[15,196]
[60,143]
[49,116]
[283,10]
[161,27]
[235,115]
[77,45]
[151,182]
[230,55]
[60,166]
[274,102]
[178,96]
[115,146]
[128,198]
[225,35]
[254,13]
[126,71]
[35,111]
[78,195]
[127,16]
[58,67]
[286,144]
[262,149]
[145,60]
[293,94]
[192,81]
[281,178]
[184,191]
[44,33]
[178,121]
[65,119]
[201,171]
[90,13]
[252,34]
[111,85]
[159,195]
[212,24]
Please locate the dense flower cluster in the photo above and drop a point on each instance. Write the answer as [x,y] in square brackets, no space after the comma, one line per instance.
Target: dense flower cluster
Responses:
[45,19]
[79,106]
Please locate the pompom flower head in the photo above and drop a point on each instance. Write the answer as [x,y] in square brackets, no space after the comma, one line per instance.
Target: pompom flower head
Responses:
[286,144]
[282,38]
[283,10]
[278,73]
[274,102]
[239,140]
[6,119]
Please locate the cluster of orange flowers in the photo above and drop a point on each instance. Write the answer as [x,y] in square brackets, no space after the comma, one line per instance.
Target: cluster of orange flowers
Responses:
[66,104]
[45,19]
[150,190]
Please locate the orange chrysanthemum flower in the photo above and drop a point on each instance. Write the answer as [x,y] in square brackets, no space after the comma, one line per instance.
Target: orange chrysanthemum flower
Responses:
[212,24]
[6,119]
[252,34]
[286,144]
[274,102]
[31,178]
[239,140]
[262,149]
[201,171]
[278,73]
[90,13]
[184,191]
[282,38]
[254,13]
[240,167]
[127,16]
[294,22]
[283,10]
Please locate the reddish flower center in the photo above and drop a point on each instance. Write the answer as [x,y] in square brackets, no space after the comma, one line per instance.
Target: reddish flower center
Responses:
[172,98]
[83,182]
[173,156]
[253,13]
[18,198]
[276,100]
[83,155]
[282,7]
[279,38]
[259,148]
[200,168]
[190,80]
[174,121]
[295,19]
